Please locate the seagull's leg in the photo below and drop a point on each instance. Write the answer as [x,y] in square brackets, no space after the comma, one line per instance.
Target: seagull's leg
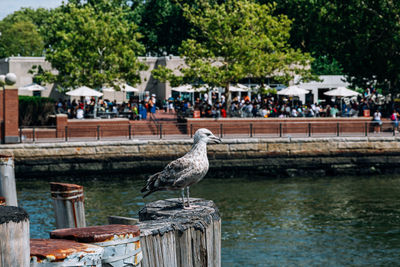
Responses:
[189,207]
[187,194]
[183,197]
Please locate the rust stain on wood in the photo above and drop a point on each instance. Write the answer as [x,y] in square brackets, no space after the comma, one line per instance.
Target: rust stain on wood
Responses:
[71,192]
[94,234]
[57,250]
[2,201]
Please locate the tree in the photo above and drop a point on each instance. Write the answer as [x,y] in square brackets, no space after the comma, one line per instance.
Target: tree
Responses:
[163,24]
[235,40]
[323,65]
[20,35]
[20,39]
[90,44]
[361,35]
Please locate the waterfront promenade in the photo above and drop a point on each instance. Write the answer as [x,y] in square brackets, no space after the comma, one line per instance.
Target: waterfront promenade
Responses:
[72,130]
[257,156]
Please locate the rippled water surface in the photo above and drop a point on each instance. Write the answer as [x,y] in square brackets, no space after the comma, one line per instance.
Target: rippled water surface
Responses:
[340,221]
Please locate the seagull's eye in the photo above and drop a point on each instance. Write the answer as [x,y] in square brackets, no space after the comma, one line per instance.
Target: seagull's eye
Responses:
[208,134]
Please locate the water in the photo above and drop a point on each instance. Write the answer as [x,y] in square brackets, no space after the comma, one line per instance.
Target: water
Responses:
[330,221]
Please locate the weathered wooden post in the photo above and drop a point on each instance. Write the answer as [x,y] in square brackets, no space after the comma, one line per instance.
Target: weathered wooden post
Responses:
[7,179]
[172,236]
[14,237]
[53,252]
[121,243]
[68,202]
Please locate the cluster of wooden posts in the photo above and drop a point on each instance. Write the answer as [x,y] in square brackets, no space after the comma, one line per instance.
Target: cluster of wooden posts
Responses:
[164,235]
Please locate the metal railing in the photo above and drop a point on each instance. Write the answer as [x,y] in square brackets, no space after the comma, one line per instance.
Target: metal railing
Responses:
[151,131]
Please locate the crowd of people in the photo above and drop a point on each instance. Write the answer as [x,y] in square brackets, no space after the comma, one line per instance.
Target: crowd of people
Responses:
[268,106]
[85,107]
[274,107]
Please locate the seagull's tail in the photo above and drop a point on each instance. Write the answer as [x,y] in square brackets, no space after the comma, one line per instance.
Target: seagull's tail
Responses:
[149,187]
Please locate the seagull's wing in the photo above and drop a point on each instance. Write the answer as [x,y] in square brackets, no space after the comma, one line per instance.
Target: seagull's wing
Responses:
[175,170]
[166,178]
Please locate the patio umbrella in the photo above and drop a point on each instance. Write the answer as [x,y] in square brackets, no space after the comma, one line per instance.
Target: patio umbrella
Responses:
[186,88]
[239,88]
[342,92]
[293,91]
[84,91]
[127,88]
[33,87]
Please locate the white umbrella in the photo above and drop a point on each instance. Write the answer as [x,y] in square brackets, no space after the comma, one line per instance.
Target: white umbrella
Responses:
[342,91]
[123,86]
[186,88]
[33,87]
[293,91]
[127,88]
[84,91]
[239,88]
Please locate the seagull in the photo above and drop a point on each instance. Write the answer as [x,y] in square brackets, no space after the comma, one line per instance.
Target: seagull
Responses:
[185,171]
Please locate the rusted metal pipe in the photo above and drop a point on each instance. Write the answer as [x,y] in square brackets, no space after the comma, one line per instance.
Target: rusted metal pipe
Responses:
[53,252]
[121,243]
[68,204]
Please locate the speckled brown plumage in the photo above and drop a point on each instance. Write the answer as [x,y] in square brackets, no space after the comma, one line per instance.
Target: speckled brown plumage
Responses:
[185,171]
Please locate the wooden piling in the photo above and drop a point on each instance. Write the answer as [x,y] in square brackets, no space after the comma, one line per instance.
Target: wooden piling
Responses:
[172,236]
[14,236]
[7,179]
[68,202]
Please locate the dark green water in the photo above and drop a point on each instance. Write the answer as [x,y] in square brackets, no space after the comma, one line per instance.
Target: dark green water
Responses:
[340,221]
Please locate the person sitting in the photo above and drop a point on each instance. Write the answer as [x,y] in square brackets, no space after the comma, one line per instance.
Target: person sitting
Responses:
[79,114]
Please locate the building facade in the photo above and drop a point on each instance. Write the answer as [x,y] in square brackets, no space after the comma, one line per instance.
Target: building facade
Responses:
[148,85]
[22,65]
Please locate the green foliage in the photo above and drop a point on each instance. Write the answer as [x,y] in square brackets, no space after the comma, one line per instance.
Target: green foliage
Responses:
[163,26]
[34,110]
[267,91]
[323,65]
[41,76]
[19,33]
[93,44]
[36,16]
[362,35]
[235,40]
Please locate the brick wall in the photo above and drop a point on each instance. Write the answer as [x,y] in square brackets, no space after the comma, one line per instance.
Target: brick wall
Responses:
[276,126]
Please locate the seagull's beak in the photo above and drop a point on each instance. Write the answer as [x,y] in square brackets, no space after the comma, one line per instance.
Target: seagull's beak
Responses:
[215,139]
